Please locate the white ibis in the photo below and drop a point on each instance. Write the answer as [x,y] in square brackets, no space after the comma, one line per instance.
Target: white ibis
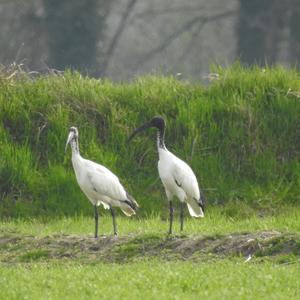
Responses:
[177,177]
[99,184]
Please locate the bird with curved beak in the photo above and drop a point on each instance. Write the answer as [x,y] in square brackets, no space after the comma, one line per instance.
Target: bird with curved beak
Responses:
[177,177]
[99,184]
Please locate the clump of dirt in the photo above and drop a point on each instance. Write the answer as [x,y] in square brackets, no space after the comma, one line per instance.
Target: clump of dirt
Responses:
[15,248]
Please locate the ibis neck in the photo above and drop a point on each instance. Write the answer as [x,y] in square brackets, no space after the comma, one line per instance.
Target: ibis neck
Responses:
[161,138]
[75,147]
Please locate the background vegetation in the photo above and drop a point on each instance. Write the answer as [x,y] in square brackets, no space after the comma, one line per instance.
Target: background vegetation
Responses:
[240,134]
[121,39]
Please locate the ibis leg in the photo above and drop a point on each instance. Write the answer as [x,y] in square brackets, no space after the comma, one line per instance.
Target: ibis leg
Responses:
[171,216]
[114,220]
[181,215]
[96,220]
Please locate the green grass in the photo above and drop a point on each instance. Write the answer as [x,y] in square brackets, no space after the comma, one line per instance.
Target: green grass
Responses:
[151,279]
[35,275]
[34,255]
[214,223]
[240,134]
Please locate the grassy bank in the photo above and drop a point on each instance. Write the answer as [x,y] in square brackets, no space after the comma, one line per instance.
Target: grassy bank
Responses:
[240,134]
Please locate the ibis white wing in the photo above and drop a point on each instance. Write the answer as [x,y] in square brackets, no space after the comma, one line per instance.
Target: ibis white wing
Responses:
[185,178]
[105,182]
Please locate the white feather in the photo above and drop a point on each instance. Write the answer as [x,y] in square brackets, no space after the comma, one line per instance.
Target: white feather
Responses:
[98,183]
[179,180]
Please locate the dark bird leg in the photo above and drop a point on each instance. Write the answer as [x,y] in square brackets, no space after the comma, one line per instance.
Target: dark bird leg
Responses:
[114,220]
[181,215]
[96,220]
[171,216]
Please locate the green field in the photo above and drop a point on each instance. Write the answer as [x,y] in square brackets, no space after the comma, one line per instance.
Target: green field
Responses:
[215,222]
[151,279]
[55,259]
[240,133]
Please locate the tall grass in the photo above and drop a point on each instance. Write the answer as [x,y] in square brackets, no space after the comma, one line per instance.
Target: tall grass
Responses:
[240,134]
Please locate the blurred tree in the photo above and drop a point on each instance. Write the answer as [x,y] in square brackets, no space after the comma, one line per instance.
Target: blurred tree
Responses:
[22,38]
[115,39]
[295,32]
[260,29]
[75,30]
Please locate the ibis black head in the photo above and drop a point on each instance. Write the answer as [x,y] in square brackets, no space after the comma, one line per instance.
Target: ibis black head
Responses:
[73,135]
[157,122]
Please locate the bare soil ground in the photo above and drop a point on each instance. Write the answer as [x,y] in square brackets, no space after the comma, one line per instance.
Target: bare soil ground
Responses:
[15,248]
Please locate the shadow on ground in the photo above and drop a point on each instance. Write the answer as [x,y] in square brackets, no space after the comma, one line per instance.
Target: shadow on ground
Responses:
[264,244]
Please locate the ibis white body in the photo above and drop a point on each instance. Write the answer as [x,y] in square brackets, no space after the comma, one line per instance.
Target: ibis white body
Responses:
[177,177]
[179,180]
[99,184]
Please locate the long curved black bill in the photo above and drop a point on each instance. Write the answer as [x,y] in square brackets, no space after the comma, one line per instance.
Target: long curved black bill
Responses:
[139,129]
